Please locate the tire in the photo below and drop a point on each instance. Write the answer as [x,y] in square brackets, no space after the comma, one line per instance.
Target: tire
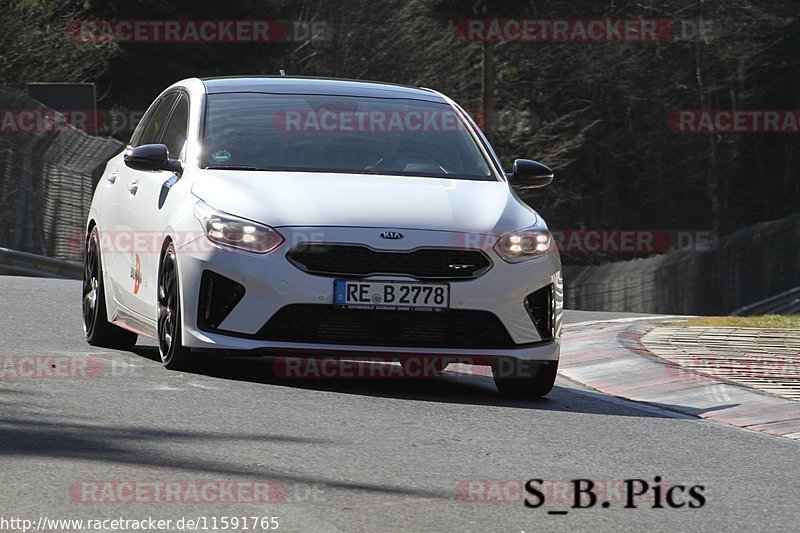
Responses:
[96,327]
[173,354]
[524,379]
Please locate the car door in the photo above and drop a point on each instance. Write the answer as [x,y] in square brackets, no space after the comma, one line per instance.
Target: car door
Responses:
[132,225]
[148,208]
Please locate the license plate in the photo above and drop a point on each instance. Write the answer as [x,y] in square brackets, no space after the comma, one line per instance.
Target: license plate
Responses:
[391,295]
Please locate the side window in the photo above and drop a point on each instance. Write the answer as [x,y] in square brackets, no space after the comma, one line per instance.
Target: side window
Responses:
[175,130]
[155,122]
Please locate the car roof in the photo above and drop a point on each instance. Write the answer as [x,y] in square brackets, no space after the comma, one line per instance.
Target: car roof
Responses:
[311,85]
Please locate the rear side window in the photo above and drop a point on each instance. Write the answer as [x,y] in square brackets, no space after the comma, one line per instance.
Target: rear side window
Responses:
[155,122]
[174,135]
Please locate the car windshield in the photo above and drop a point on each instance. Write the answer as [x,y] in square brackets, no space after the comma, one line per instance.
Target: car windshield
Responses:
[341,134]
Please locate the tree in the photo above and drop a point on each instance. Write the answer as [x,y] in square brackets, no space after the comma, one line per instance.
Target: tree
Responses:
[36,45]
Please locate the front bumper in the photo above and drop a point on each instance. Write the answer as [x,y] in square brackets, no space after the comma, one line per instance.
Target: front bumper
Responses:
[271,282]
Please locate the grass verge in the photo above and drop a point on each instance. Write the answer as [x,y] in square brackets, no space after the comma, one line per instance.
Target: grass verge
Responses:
[764,321]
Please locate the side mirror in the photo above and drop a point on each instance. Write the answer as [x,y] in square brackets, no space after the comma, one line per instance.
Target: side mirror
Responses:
[152,157]
[530,174]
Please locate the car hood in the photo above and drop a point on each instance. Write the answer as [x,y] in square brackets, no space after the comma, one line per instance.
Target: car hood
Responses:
[364,200]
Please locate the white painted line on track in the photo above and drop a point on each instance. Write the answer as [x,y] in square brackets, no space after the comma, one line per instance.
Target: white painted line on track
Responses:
[625,320]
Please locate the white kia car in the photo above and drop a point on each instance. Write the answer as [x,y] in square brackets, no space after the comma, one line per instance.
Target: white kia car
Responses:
[309,218]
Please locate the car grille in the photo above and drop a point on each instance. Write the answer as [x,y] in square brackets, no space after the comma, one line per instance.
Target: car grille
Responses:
[359,261]
[328,324]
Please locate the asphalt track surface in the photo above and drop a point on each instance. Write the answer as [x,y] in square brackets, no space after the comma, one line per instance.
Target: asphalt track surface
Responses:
[348,455]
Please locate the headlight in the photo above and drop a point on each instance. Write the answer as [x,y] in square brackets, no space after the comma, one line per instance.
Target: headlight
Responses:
[227,230]
[523,245]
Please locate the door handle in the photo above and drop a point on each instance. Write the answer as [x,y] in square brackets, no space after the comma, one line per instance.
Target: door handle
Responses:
[133,187]
[112,177]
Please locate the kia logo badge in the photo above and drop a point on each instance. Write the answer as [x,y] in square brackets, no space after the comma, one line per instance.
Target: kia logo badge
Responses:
[394,235]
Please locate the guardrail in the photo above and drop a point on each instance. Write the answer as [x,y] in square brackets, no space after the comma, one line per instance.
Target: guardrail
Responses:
[15,263]
[785,303]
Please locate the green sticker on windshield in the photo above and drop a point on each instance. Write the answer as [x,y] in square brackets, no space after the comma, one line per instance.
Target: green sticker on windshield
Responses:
[222,155]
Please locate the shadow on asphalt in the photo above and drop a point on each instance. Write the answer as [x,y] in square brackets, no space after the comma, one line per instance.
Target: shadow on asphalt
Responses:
[452,387]
[123,445]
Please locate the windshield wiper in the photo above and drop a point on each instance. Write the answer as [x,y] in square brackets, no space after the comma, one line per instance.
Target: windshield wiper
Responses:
[235,167]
